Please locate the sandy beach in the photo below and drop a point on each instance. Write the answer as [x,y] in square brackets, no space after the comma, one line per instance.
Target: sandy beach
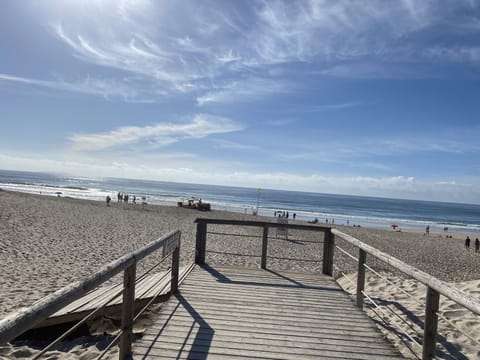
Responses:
[48,242]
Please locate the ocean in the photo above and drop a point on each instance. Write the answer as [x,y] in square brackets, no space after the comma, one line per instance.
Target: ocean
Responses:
[342,209]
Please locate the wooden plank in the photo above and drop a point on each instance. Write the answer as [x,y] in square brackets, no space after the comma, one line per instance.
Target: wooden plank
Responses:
[354,338]
[255,318]
[332,326]
[287,346]
[245,336]
[199,351]
[284,311]
[283,320]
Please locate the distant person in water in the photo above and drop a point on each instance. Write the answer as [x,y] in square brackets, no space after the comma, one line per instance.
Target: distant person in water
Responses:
[294,216]
[477,245]
[467,243]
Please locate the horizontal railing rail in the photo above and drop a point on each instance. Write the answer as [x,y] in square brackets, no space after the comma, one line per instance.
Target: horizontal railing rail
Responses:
[21,321]
[435,288]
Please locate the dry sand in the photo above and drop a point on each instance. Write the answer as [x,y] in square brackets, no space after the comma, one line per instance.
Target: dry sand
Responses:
[46,243]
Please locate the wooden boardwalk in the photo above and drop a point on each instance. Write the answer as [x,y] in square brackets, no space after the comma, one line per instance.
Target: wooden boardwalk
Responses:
[155,284]
[231,313]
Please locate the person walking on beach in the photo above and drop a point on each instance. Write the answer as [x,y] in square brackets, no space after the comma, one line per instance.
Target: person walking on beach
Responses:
[467,243]
[427,230]
[477,245]
[108,199]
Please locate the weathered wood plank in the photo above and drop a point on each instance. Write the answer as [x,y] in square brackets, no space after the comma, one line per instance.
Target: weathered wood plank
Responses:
[263,312]
[244,336]
[287,346]
[252,314]
[196,350]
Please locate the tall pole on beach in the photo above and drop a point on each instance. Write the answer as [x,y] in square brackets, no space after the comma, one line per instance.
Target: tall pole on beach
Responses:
[258,199]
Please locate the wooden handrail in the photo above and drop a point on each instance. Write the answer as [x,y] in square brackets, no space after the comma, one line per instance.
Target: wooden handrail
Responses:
[435,288]
[442,287]
[17,323]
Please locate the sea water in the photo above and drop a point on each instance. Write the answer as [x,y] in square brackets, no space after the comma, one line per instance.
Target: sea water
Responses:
[342,209]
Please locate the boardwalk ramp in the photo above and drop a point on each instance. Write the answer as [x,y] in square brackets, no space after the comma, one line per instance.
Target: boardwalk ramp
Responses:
[230,313]
[155,286]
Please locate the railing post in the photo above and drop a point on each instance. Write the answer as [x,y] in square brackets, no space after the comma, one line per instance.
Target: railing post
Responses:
[328,251]
[264,247]
[431,323]
[127,311]
[175,269]
[362,257]
[201,241]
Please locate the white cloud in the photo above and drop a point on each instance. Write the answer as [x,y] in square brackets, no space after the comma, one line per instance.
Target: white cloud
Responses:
[250,89]
[108,89]
[200,126]
[232,145]
[356,151]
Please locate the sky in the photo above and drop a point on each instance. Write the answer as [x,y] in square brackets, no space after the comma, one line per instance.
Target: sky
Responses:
[375,98]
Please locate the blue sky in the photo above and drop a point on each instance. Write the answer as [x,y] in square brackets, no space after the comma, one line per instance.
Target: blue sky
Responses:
[377,98]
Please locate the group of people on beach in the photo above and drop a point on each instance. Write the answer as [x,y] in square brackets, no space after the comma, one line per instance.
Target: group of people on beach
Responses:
[124,197]
[284,214]
[477,244]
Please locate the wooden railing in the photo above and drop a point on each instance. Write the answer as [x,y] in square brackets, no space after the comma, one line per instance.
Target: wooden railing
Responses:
[435,287]
[201,238]
[17,323]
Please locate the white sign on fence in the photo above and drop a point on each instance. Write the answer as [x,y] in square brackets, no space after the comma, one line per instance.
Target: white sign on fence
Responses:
[170,244]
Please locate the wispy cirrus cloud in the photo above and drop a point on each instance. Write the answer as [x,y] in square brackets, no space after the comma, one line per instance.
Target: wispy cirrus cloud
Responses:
[251,89]
[372,153]
[162,134]
[354,39]
[328,107]
[108,89]
[232,145]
